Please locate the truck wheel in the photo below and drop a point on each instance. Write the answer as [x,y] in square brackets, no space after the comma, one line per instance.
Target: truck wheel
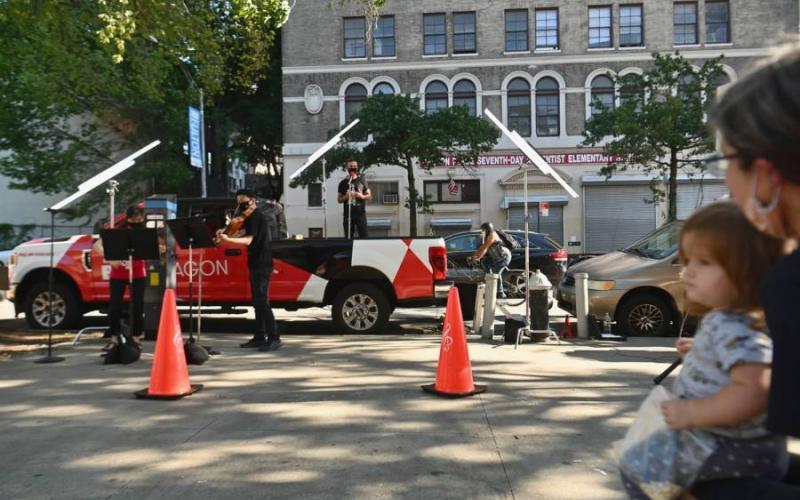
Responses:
[645,315]
[361,308]
[66,308]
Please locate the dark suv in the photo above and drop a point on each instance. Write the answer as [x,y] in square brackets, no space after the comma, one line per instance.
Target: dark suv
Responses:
[544,254]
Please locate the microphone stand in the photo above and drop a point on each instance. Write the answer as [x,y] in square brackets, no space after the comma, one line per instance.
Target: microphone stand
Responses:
[50,278]
[350,209]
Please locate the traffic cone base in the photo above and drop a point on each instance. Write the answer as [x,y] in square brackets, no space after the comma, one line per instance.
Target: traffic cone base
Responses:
[567,332]
[431,389]
[145,394]
[454,371]
[169,377]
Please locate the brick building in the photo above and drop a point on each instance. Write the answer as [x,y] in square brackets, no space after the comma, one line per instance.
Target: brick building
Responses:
[536,65]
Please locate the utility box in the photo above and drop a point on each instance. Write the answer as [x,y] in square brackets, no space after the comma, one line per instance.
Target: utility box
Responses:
[158,209]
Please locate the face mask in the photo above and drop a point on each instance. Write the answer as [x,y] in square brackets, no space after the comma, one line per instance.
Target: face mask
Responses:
[758,213]
[136,225]
[244,206]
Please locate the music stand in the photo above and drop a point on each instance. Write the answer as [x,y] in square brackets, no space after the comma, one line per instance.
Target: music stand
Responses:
[191,233]
[127,244]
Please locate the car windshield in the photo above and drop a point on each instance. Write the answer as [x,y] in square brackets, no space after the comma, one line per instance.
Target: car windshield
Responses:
[659,244]
[537,240]
[464,243]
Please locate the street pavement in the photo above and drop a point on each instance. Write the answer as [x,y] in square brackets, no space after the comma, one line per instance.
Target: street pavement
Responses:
[326,416]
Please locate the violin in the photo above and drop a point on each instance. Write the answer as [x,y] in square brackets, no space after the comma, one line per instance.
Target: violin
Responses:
[236,223]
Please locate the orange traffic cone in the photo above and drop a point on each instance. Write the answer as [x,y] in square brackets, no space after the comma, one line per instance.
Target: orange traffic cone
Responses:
[454,373]
[567,332]
[169,378]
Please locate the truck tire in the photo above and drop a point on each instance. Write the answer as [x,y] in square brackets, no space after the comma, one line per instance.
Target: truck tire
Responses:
[361,308]
[466,296]
[66,307]
[645,315]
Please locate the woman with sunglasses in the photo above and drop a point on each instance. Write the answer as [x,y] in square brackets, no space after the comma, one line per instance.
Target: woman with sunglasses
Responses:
[758,120]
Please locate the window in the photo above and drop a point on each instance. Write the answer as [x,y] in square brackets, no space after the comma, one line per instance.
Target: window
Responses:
[602,94]
[435,96]
[354,98]
[434,34]
[516,30]
[464,95]
[631,90]
[688,88]
[384,193]
[547,29]
[599,27]
[519,106]
[547,108]
[355,37]
[383,88]
[465,243]
[468,191]
[315,194]
[464,32]
[315,232]
[383,37]
[684,23]
[631,26]
[718,28]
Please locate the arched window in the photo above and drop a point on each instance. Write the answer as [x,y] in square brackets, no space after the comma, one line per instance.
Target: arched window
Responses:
[631,89]
[435,96]
[354,98]
[688,88]
[519,106]
[602,94]
[383,88]
[547,108]
[464,95]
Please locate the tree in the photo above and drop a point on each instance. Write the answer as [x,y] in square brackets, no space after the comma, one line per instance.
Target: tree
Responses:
[405,136]
[83,82]
[660,123]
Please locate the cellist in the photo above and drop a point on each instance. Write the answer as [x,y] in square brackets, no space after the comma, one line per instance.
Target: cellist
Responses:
[259,262]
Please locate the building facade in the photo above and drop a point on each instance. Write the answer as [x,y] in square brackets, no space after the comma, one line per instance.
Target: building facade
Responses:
[537,66]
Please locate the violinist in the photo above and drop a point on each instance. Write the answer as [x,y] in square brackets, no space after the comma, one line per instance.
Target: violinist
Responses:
[259,262]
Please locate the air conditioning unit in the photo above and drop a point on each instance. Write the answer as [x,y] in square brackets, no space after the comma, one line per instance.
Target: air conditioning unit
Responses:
[391,199]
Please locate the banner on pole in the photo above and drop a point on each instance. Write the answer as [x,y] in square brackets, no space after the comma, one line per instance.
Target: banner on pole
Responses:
[195,141]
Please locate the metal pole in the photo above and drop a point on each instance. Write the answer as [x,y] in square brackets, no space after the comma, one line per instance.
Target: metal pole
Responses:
[477,317]
[582,304]
[324,201]
[349,210]
[112,191]
[489,303]
[527,251]
[203,187]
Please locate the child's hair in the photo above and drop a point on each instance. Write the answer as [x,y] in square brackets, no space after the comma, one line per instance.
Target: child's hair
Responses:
[743,252]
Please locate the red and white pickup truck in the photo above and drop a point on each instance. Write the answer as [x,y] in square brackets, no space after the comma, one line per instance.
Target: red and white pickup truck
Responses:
[363,280]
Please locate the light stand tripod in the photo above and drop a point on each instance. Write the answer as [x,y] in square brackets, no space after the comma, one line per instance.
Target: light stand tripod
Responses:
[50,278]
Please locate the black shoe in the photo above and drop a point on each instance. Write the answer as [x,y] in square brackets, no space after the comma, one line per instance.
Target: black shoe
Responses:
[271,345]
[253,343]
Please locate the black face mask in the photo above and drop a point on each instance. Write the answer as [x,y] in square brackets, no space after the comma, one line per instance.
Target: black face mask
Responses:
[244,206]
[136,225]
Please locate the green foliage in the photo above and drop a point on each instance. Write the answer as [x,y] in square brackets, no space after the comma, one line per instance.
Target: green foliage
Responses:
[405,136]
[659,125]
[11,236]
[83,83]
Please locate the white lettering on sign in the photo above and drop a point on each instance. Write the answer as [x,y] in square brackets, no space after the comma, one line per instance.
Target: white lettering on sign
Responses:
[447,339]
[209,268]
[512,160]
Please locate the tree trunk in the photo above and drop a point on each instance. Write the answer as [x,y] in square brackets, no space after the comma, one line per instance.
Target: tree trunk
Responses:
[412,197]
[673,186]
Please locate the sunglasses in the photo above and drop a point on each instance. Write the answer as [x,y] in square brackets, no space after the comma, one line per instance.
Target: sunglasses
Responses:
[718,164]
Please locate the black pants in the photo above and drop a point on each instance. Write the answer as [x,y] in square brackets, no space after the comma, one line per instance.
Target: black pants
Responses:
[358,224]
[259,288]
[116,305]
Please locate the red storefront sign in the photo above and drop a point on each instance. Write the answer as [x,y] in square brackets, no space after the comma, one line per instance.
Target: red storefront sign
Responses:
[513,160]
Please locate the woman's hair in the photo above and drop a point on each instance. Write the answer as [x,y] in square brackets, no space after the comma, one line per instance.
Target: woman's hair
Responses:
[743,252]
[759,115]
[134,211]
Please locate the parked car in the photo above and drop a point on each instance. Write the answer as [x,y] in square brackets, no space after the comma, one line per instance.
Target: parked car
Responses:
[638,286]
[545,255]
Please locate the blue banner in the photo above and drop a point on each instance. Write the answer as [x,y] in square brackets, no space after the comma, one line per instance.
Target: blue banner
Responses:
[195,138]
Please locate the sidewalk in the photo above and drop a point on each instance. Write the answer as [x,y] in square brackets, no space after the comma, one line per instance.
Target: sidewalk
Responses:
[326,417]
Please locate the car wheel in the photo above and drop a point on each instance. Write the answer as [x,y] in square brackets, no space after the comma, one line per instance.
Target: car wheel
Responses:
[66,308]
[361,308]
[645,316]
